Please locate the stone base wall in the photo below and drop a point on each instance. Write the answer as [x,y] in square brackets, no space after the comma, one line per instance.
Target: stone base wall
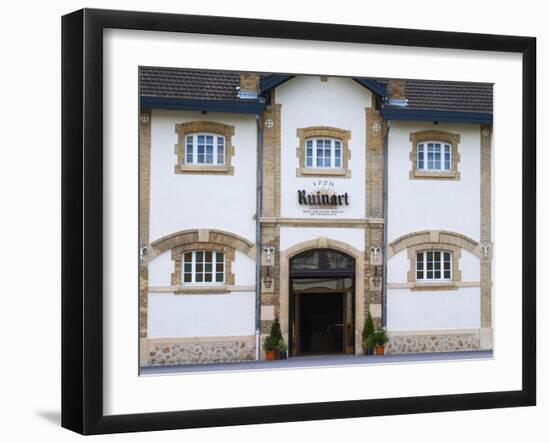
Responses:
[164,354]
[432,343]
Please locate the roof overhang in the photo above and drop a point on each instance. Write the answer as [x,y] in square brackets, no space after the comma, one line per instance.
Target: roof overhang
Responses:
[439,116]
[237,106]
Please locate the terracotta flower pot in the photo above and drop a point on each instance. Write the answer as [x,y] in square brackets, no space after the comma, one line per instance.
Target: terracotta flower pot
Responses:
[271,355]
[379,349]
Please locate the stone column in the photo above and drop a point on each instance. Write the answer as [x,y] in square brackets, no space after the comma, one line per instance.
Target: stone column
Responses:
[374,233]
[271,208]
[486,245]
[144,217]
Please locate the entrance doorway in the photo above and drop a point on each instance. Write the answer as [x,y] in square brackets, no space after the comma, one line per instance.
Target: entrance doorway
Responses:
[322,299]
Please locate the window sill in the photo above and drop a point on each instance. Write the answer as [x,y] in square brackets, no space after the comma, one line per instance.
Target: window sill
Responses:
[445,175]
[203,169]
[434,286]
[210,289]
[322,172]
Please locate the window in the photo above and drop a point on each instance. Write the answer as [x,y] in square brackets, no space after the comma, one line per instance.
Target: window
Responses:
[434,156]
[205,149]
[323,153]
[433,265]
[203,267]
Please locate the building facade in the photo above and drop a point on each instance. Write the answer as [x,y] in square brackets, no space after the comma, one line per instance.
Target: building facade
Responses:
[314,200]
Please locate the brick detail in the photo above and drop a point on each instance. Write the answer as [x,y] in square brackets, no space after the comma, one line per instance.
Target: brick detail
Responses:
[144,212]
[249,82]
[434,135]
[485,228]
[422,237]
[323,131]
[192,236]
[396,89]
[184,129]
[375,130]
[271,183]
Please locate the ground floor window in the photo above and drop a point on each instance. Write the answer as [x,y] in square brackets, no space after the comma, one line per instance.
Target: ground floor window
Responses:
[203,267]
[433,265]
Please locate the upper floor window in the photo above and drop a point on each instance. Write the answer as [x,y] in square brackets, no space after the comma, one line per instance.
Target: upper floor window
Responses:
[323,153]
[205,149]
[433,265]
[203,267]
[434,156]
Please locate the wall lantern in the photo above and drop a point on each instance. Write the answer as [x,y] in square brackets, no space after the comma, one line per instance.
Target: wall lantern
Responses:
[269,252]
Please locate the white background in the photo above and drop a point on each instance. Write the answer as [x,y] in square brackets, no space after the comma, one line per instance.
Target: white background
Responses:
[30,183]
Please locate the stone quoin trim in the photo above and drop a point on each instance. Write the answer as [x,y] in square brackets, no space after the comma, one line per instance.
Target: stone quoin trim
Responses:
[375,130]
[486,242]
[323,131]
[194,127]
[439,136]
[144,212]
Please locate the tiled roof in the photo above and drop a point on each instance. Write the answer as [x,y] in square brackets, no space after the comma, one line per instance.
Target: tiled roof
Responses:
[423,95]
[188,83]
[449,96]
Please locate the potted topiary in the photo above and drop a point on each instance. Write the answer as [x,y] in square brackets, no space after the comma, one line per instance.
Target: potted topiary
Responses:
[271,342]
[368,335]
[270,348]
[281,346]
[380,339]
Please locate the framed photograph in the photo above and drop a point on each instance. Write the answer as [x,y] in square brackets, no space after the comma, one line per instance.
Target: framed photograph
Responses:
[270,221]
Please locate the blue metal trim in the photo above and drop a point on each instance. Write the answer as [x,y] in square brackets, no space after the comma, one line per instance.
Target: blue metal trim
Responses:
[441,116]
[268,83]
[372,85]
[238,106]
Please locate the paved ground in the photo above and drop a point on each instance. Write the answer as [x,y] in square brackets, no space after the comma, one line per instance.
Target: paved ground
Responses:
[317,361]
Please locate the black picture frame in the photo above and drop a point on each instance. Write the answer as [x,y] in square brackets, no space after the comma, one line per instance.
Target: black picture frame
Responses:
[82,219]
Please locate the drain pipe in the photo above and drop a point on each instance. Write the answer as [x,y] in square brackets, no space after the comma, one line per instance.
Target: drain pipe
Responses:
[385,235]
[259,180]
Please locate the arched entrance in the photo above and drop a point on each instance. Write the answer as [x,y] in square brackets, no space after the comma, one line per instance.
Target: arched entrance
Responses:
[321,302]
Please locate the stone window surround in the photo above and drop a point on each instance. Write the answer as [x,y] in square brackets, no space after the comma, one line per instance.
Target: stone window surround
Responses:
[418,241]
[323,132]
[194,127]
[434,285]
[200,239]
[439,136]
[177,256]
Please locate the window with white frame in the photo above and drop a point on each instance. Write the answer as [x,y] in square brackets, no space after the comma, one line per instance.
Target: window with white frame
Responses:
[205,149]
[323,153]
[433,156]
[433,265]
[203,267]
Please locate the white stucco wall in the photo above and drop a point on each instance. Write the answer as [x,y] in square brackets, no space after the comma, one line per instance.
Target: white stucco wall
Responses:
[415,205]
[352,236]
[410,310]
[192,201]
[306,101]
[160,269]
[200,315]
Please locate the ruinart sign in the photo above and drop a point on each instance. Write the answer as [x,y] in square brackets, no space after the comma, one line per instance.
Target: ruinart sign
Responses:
[323,199]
